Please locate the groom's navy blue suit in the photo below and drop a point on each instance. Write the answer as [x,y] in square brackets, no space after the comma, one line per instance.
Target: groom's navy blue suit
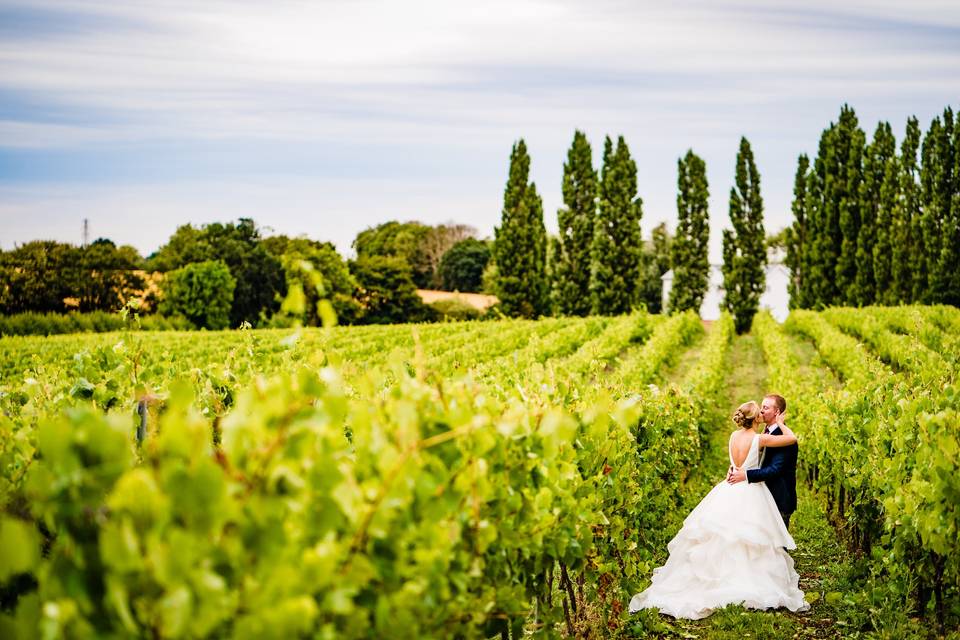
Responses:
[779,471]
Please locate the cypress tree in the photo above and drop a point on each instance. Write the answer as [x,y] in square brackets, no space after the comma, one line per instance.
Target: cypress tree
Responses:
[553,248]
[950,255]
[689,256]
[937,190]
[571,255]
[617,248]
[744,250]
[927,225]
[842,193]
[875,160]
[797,250]
[886,233]
[907,243]
[823,230]
[521,243]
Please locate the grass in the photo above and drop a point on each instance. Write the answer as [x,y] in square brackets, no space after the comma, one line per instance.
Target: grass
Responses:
[809,358]
[747,375]
[676,371]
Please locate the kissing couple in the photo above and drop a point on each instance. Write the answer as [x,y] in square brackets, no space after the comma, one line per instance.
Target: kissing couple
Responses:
[732,548]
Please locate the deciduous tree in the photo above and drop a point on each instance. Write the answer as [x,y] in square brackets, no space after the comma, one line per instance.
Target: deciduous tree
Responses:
[258,274]
[201,292]
[387,293]
[339,286]
[461,268]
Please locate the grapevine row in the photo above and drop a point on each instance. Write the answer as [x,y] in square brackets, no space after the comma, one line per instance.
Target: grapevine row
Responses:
[885,454]
[447,511]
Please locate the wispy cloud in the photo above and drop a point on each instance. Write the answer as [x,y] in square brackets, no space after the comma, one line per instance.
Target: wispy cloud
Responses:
[159,97]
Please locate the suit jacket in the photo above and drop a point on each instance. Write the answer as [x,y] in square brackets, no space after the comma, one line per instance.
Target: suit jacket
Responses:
[779,471]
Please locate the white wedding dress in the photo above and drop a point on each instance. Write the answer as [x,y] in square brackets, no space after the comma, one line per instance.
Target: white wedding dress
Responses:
[730,550]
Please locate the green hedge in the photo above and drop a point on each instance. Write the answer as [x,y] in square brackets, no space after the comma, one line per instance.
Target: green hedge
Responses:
[45,324]
[455,310]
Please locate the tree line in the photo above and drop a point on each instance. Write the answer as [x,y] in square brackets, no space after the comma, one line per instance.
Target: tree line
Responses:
[599,263]
[873,225]
[222,275]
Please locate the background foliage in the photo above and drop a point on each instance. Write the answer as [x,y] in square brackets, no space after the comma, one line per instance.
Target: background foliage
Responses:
[201,292]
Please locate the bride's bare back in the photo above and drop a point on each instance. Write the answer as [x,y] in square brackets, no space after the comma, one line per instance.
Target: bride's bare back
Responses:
[740,442]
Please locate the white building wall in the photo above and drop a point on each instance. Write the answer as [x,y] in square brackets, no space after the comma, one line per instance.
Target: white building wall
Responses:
[774,297]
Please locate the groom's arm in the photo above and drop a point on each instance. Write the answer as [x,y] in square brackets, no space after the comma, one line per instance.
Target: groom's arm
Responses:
[773,470]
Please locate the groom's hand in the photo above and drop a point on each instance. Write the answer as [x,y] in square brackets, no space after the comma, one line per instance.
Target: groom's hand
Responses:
[737,475]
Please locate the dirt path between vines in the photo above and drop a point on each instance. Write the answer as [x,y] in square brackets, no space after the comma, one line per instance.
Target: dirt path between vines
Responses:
[676,371]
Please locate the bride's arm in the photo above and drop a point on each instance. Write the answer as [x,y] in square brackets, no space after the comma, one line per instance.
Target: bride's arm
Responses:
[785,440]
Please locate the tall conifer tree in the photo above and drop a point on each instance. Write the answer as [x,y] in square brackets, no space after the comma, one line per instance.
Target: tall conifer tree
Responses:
[927,225]
[823,225]
[744,248]
[797,249]
[886,233]
[521,242]
[843,194]
[571,254]
[875,160]
[690,251]
[617,249]
[950,255]
[907,241]
[937,184]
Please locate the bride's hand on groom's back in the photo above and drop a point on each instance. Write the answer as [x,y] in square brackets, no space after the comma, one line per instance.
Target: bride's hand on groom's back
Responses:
[736,475]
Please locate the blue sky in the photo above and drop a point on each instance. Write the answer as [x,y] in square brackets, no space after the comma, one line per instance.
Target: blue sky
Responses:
[324,118]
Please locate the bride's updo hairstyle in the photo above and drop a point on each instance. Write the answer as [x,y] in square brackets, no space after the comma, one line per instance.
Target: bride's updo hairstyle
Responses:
[746,415]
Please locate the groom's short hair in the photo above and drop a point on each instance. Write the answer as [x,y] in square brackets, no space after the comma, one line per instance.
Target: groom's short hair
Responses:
[778,400]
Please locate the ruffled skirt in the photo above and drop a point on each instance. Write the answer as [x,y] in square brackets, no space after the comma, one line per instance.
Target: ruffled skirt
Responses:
[730,550]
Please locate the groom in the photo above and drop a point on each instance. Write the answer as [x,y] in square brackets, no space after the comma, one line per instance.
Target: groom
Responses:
[779,466]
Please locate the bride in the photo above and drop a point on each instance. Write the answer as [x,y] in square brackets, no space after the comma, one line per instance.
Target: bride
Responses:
[732,547]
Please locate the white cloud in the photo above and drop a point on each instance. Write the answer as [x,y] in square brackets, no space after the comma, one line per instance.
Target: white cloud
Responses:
[458,81]
[257,63]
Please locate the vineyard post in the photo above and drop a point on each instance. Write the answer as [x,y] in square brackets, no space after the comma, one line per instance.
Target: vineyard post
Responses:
[570,598]
[842,500]
[142,425]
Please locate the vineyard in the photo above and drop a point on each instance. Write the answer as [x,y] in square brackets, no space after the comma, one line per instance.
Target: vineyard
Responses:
[468,480]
